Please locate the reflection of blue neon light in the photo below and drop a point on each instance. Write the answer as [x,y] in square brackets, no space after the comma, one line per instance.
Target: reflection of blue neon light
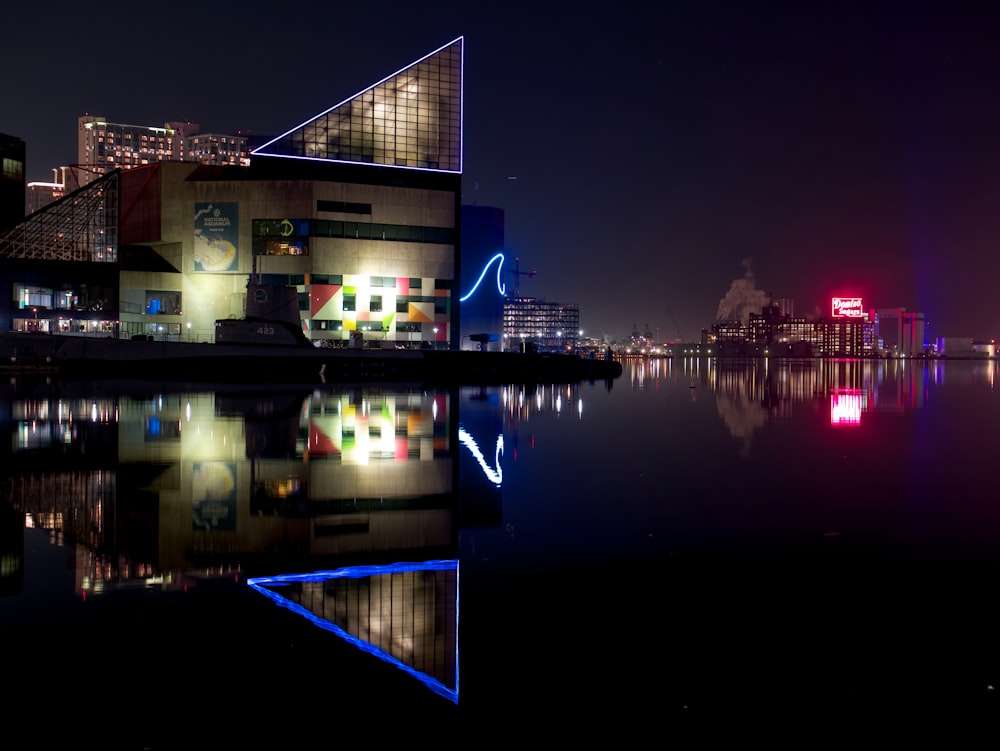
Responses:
[500,285]
[261,583]
[494,475]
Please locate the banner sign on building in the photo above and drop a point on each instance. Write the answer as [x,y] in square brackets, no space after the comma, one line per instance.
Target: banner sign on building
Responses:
[847,307]
[216,236]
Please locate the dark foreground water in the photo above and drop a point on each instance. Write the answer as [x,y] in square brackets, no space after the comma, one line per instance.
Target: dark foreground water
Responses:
[783,552]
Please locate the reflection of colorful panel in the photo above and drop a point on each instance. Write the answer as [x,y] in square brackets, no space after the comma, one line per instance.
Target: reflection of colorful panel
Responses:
[441,404]
[324,436]
[419,425]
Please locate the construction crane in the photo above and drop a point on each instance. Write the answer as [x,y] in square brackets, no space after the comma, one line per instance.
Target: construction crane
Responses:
[679,334]
[516,271]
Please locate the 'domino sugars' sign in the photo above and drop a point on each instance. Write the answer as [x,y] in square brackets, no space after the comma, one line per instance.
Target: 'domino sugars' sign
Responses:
[847,307]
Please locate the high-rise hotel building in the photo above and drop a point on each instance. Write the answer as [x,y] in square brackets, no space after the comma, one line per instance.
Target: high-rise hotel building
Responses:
[103,145]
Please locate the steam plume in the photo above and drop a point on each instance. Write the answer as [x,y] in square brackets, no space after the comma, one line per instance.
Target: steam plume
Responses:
[742,299]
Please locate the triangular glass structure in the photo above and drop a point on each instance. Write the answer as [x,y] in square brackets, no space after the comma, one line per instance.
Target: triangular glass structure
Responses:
[411,119]
[406,614]
[80,226]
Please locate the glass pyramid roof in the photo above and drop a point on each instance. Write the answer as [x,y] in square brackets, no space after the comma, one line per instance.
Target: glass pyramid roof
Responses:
[80,226]
[411,119]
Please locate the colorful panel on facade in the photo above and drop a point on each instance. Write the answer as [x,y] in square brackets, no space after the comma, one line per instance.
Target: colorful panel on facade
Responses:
[421,312]
[325,301]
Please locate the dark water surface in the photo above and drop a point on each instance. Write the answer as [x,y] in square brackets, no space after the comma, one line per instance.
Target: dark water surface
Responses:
[785,552]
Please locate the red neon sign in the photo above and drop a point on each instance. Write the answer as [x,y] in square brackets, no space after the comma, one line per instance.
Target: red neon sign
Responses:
[847,307]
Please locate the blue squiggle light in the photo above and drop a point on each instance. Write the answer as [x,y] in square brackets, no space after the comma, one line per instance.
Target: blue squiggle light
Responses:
[495,476]
[500,285]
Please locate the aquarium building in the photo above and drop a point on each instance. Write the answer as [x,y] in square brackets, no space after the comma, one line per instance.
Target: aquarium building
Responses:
[358,209]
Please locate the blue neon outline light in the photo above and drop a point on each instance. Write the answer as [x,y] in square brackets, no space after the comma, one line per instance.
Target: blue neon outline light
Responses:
[501,287]
[261,584]
[259,151]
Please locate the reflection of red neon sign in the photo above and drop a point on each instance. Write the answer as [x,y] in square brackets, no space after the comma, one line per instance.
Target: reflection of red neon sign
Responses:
[845,406]
[847,307]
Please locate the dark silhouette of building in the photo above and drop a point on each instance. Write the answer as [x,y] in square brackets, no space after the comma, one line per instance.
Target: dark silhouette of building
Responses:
[13,154]
[482,277]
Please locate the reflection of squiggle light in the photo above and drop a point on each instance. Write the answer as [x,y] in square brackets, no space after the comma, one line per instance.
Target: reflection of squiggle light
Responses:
[261,584]
[494,476]
[500,285]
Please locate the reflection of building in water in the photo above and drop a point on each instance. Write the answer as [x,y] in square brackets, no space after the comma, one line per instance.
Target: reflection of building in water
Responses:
[406,614]
[750,392]
[164,489]
[522,401]
[322,474]
[11,550]
[153,486]
[482,457]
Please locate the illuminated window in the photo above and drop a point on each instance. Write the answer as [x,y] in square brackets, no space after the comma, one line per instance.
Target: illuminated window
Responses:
[33,297]
[163,302]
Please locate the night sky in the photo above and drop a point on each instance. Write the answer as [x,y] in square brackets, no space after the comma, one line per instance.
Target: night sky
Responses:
[656,166]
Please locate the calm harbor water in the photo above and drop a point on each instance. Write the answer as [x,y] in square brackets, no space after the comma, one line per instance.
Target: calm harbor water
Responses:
[781,547]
